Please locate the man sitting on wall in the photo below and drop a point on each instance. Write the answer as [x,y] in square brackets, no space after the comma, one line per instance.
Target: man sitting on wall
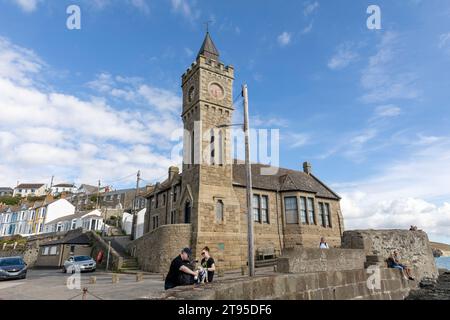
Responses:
[394,262]
[179,273]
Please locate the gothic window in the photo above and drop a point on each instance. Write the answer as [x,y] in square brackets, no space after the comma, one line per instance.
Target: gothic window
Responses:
[173,215]
[303,210]
[192,148]
[311,213]
[212,148]
[187,212]
[221,147]
[219,211]
[291,210]
[175,194]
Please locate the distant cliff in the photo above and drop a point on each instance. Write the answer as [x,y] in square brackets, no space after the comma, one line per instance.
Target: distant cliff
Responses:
[440,249]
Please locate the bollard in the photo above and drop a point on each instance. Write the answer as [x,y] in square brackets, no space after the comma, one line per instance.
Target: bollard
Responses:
[93,280]
[243,269]
[115,278]
[220,272]
[139,277]
[85,290]
[4,246]
[15,245]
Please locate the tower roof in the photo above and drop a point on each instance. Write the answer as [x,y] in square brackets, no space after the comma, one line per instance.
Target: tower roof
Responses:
[208,48]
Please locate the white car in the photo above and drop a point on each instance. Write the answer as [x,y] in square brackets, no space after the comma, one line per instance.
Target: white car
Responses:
[79,264]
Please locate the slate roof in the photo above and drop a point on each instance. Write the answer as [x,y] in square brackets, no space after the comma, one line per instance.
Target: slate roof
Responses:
[29,186]
[282,180]
[64,185]
[209,49]
[81,239]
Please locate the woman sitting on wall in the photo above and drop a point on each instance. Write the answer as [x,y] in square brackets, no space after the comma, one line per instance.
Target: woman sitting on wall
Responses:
[394,262]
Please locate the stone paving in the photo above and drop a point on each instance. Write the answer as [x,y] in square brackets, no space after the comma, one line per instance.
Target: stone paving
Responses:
[52,285]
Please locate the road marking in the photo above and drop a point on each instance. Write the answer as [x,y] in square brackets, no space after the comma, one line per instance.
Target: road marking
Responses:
[7,285]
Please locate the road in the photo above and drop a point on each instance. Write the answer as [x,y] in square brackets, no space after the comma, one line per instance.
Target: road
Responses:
[52,285]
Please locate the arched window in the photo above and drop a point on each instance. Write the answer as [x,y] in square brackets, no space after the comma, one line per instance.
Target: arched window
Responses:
[212,148]
[219,211]
[187,212]
[221,160]
[192,149]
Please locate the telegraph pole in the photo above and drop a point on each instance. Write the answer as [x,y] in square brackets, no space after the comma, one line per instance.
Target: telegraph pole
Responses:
[98,194]
[248,167]
[133,227]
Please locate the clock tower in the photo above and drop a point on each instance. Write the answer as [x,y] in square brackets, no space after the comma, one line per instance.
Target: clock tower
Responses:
[208,199]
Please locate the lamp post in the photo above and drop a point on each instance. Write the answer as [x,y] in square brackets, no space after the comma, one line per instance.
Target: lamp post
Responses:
[248,170]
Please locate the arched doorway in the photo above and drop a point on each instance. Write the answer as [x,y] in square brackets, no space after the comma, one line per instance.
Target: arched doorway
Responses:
[187,212]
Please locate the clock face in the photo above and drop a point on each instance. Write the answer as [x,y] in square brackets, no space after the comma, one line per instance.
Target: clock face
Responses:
[191,94]
[216,91]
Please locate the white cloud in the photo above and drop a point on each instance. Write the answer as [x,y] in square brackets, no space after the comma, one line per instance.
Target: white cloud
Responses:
[385,78]
[387,111]
[310,8]
[186,8]
[27,5]
[44,132]
[307,29]
[297,140]
[142,5]
[284,39]
[343,57]
[411,191]
[444,39]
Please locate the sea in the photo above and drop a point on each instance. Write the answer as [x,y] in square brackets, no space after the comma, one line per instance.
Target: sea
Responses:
[443,263]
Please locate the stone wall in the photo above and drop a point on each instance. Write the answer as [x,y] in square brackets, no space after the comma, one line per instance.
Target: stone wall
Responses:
[156,249]
[413,246]
[335,285]
[30,250]
[303,260]
[98,244]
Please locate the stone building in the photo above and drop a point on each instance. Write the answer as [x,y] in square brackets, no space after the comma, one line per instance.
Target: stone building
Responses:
[290,208]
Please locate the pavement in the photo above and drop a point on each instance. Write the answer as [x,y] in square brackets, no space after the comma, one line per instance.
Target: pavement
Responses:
[52,285]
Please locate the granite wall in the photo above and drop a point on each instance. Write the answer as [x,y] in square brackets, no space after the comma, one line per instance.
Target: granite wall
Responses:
[413,246]
[304,260]
[156,249]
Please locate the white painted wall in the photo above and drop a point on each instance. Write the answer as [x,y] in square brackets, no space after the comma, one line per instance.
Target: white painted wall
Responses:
[127,223]
[140,224]
[58,209]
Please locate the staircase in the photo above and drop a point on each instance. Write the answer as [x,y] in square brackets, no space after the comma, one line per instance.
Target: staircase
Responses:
[120,243]
[130,265]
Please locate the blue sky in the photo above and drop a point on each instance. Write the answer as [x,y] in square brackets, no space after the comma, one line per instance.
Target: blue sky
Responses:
[368,108]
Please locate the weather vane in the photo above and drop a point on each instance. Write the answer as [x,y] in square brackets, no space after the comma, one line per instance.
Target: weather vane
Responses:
[207,25]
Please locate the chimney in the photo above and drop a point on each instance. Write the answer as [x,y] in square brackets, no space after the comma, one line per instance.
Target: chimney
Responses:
[307,168]
[172,172]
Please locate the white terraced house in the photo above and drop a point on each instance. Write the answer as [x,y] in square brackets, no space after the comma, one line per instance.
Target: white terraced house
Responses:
[63,187]
[88,220]
[30,189]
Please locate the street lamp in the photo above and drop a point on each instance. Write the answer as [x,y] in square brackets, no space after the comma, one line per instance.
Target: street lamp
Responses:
[248,169]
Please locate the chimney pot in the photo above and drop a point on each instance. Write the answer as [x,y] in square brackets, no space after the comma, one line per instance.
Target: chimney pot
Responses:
[307,168]
[172,172]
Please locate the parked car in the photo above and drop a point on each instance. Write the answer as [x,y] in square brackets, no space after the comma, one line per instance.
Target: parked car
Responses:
[79,263]
[12,268]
